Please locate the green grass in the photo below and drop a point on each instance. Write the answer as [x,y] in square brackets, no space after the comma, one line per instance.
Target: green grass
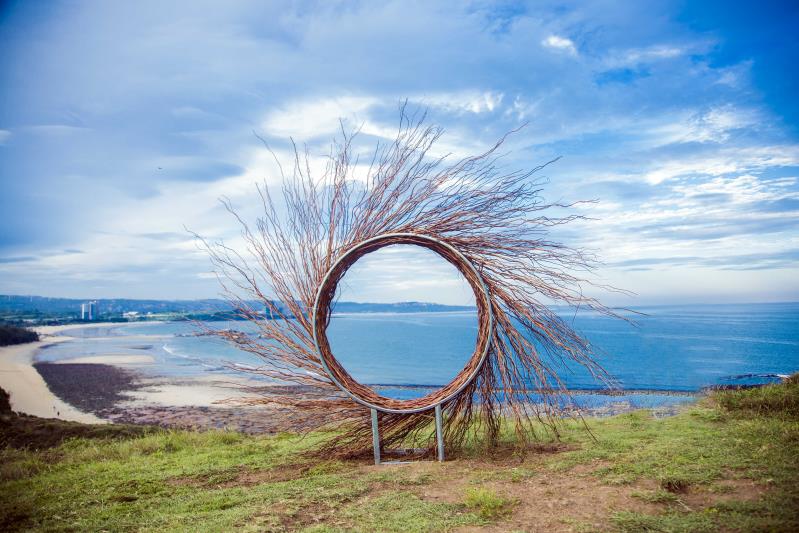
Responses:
[487,503]
[686,470]
[734,435]
[773,400]
[403,511]
[179,480]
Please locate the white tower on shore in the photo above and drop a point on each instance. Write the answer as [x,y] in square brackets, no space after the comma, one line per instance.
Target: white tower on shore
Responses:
[88,310]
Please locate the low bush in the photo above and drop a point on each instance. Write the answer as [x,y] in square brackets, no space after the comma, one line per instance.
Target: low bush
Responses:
[15,335]
[487,503]
[778,400]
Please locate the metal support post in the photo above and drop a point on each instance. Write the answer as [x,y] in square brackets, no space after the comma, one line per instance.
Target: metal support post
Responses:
[375,436]
[439,433]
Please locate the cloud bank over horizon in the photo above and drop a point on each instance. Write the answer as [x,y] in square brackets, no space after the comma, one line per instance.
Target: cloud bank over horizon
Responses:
[122,124]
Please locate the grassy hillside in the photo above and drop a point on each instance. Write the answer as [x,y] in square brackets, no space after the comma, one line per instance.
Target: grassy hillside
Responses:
[729,463]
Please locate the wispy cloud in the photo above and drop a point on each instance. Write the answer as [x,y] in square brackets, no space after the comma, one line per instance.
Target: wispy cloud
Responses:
[307,120]
[637,56]
[560,43]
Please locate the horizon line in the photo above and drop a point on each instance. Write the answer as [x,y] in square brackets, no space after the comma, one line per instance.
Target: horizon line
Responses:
[220,299]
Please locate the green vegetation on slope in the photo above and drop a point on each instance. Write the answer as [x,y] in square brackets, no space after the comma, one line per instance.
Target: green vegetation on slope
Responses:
[728,463]
[15,335]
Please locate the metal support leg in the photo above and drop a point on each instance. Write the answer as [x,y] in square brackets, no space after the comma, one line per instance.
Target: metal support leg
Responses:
[439,433]
[375,436]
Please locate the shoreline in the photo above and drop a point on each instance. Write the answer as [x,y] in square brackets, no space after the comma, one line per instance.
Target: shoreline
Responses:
[110,387]
[29,392]
[573,392]
[120,395]
[102,389]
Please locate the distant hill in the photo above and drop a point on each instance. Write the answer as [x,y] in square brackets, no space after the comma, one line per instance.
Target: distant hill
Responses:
[43,304]
[15,308]
[399,307]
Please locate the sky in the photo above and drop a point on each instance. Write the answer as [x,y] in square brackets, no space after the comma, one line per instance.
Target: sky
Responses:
[123,123]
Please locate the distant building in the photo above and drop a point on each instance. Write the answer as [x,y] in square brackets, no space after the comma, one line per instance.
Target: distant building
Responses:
[88,310]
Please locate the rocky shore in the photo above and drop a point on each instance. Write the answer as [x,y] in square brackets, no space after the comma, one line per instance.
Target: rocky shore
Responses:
[88,386]
[110,393]
[122,396]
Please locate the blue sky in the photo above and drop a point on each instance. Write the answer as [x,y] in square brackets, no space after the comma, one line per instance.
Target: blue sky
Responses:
[121,123]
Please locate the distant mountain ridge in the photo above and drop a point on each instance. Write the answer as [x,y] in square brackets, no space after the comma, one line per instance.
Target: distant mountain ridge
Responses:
[399,307]
[46,306]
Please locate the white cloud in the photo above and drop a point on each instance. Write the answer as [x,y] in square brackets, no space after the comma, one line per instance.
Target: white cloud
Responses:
[311,119]
[722,161]
[653,52]
[4,136]
[560,43]
[468,101]
[735,75]
[637,56]
[738,189]
[716,124]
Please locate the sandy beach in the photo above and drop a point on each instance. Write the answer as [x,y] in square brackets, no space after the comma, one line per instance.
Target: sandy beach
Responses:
[29,392]
[105,388]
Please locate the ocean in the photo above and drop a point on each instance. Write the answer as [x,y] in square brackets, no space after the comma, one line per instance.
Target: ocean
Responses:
[668,355]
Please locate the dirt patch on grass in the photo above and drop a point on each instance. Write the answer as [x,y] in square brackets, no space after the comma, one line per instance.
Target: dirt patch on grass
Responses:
[289,516]
[311,514]
[542,499]
[515,454]
[727,490]
[556,501]
[243,477]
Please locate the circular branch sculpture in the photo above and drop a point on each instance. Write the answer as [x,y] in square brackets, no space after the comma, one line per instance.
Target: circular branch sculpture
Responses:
[362,393]
[490,224]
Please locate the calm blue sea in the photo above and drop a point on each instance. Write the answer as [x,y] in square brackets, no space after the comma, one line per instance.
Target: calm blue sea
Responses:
[671,349]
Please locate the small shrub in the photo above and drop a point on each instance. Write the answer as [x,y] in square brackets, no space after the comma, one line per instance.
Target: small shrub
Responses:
[20,469]
[781,399]
[5,402]
[226,437]
[487,503]
[421,479]
[15,335]
[675,485]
